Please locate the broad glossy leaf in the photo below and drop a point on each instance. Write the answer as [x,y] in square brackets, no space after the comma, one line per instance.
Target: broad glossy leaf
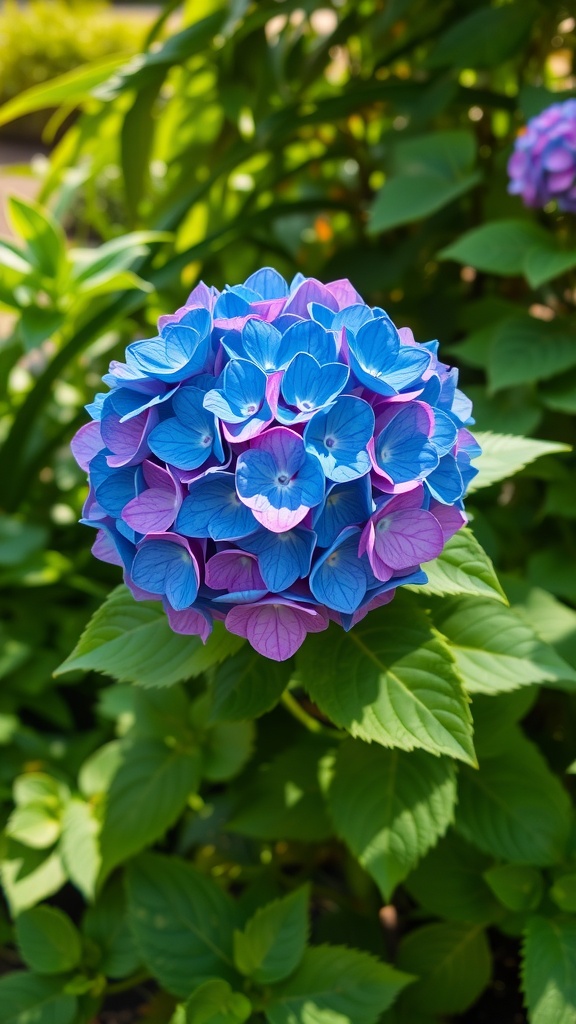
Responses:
[518,886]
[498,247]
[497,651]
[449,883]
[132,641]
[397,682]
[26,998]
[499,804]
[182,922]
[453,964]
[336,985]
[272,943]
[543,263]
[242,688]
[390,807]
[409,198]
[503,455]
[548,970]
[148,792]
[48,941]
[462,568]
[526,350]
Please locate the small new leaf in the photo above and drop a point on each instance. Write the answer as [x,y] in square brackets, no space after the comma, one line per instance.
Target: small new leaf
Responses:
[272,944]
[48,941]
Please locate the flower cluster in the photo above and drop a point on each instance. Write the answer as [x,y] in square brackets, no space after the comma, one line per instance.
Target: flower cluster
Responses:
[277,457]
[543,164]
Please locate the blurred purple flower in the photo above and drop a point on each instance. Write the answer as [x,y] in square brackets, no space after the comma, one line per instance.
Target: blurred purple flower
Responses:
[543,165]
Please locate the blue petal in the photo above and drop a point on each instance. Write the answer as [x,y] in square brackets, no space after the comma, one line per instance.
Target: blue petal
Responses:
[409,366]
[213,509]
[445,482]
[164,568]
[445,433]
[402,448]
[117,490]
[282,557]
[345,505]
[352,317]
[261,342]
[307,336]
[243,390]
[268,283]
[308,385]
[339,437]
[229,305]
[181,446]
[338,579]
[322,314]
[240,597]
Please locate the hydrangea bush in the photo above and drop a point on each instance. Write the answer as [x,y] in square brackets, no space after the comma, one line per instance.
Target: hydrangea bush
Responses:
[276,457]
[543,165]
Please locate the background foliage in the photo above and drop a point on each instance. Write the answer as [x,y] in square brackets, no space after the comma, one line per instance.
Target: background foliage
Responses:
[179,834]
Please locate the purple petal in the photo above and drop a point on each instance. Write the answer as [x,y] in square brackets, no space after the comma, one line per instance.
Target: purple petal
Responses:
[276,628]
[233,570]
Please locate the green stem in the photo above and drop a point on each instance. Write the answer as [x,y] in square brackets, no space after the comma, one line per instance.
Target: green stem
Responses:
[310,723]
[124,986]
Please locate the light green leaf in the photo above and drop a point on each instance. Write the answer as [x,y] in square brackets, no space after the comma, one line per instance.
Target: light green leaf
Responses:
[526,350]
[462,568]
[70,88]
[563,892]
[116,255]
[214,1002]
[284,801]
[79,846]
[148,793]
[503,455]
[498,805]
[398,683]
[336,985]
[28,999]
[406,199]
[182,922]
[246,687]
[29,876]
[548,971]
[34,825]
[453,963]
[519,887]
[132,641]
[390,807]
[97,772]
[272,943]
[106,924]
[45,240]
[449,883]
[48,941]
[497,248]
[495,650]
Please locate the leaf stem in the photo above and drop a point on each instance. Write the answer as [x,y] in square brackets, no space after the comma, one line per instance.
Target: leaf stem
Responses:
[308,721]
[127,983]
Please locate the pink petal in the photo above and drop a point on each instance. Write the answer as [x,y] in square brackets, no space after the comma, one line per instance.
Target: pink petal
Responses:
[275,628]
[86,443]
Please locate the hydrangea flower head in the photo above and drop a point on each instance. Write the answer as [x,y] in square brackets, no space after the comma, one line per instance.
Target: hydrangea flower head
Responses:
[543,164]
[277,457]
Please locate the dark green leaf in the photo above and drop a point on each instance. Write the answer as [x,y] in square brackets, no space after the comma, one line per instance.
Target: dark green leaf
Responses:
[28,999]
[517,886]
[563,892]
[48,941]
[246,686]
[484,38]
[526,350]
[390,807]
[452,961]
[271,945]
[498,248]
[449,883]
[406,199]
[548,972]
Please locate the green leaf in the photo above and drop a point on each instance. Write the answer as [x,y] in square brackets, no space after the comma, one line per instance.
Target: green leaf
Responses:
[18,541]
[519,887]
[115,255]
[449,883]
[560,394]
[182,922]
[48,941]
[495,650]
[526,350]
[406,199]
[449,153]
[245,687]
[106,924]
[284,801]
[37,324]
[484,38]
[43,235]
[336,985]
[28,999]
[225,746]
[79,846]
[543,263]
[398,683]
[563,892]
[503,455]
[97,772]
[548,975]
[390,807]
[29,876]
[70,88]
[214,1002]
[462,568]
[498,805]
[453,962]
[494,717]
[497,248]
[34,825]
[132,642]
[272,943]
[148,793]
